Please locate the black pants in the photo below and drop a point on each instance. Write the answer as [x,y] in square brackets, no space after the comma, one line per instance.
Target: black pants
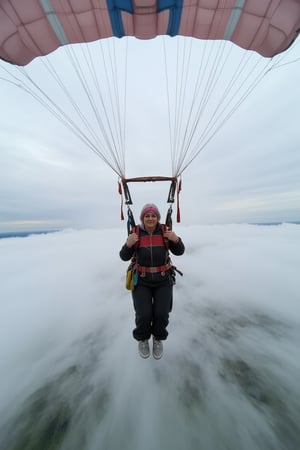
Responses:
[152,307]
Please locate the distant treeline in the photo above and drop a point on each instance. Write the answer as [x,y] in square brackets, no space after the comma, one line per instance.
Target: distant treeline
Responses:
[10,234]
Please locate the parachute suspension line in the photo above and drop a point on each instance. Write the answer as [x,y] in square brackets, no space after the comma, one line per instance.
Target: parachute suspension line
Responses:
[39,95]
[175,138]
[181,82]
[258,78]
[114,139]
[194,114]
[44,99]
[116,125]
[175,183]
[217,69]
[277,66]
[109,139]
[208,91]
[187,138]
[113,94]
[28,85]
[85,85]
[120,114]
[181,125]
[118,104]
[206,138]
[218,113]
[216,92]
[116,150]
[46,62]
[168,104]
[214,68]
[197,112]
[181,143]
[207,114]
[283,56]
[125,111]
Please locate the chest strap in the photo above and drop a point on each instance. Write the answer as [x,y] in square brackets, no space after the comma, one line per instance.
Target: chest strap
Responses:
[145,269]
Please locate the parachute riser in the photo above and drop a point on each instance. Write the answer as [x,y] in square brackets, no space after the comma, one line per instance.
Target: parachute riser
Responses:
[127,196]
[130,221]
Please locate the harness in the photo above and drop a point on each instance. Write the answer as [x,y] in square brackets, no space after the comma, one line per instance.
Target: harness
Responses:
[135,270]
[156,240]
[153,240]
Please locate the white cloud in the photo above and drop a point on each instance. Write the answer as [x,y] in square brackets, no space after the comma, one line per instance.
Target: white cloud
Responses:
[65,335]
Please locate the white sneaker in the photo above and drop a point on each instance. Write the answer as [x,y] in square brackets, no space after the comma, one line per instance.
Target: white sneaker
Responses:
[144,349]
[157,348]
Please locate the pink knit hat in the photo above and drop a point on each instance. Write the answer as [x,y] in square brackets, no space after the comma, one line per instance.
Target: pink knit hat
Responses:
[150,208]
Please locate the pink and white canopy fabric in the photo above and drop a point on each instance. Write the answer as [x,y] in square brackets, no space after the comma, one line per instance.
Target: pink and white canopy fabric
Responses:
[31,28]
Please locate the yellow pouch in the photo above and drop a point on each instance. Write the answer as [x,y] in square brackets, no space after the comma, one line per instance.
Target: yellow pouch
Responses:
[130,278]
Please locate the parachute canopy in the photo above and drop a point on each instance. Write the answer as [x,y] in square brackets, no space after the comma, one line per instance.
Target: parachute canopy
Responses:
[34,28]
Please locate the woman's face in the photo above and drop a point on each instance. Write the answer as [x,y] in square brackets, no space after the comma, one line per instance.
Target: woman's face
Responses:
[150,221]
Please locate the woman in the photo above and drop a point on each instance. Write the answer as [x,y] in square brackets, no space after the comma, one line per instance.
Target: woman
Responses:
[152,294]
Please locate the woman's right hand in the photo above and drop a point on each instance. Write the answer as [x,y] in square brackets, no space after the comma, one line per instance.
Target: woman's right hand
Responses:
[132,240]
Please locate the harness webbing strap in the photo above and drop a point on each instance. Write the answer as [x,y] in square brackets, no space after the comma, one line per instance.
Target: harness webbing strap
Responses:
[146,269]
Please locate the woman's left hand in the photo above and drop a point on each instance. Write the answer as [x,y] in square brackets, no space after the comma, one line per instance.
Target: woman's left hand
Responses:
[169,234]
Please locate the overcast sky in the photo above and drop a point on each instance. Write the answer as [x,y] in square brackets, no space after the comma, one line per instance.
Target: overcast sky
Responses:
[249,172]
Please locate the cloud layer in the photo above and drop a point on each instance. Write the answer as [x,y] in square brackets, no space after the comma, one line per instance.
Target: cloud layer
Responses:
[70,372]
